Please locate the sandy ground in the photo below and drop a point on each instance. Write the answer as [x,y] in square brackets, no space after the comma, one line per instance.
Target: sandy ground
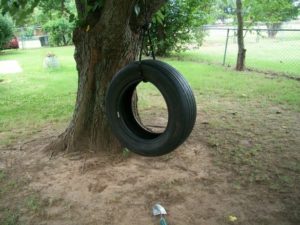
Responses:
[110,189]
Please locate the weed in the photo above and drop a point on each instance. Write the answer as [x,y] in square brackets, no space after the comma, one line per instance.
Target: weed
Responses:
[10,218]
[2,175]
[125,152]
[33,203]
[7,185]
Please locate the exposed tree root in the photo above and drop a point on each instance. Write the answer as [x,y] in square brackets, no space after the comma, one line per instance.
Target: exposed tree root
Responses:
[67,144]
[57,146]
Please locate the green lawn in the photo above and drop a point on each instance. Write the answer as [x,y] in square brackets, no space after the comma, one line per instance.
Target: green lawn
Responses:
[38,96]
[279,55]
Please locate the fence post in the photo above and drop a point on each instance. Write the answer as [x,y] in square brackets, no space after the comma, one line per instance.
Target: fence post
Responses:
[22,38]
[226,45]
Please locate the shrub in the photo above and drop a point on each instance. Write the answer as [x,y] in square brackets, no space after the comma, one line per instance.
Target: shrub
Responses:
[60,31]
[6,31]
[178,24]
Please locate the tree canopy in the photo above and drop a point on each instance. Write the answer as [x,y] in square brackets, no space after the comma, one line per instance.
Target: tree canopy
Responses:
[19,9]
[54,16]
[223,9]
[254,11]
[271,12]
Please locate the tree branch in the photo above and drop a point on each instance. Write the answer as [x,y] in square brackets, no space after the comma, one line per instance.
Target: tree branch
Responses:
[81,6]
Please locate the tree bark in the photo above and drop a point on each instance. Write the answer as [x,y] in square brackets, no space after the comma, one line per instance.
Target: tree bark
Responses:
[108,40]
[161,40]
[240,64]
[273,29]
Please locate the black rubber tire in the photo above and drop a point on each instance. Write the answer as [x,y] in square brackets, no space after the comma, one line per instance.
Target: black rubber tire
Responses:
[179,99]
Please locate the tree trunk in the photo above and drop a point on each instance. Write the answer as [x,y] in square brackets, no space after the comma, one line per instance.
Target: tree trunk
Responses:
[240,64]
[273,29]
[161,40]
[108,40]
[64,40]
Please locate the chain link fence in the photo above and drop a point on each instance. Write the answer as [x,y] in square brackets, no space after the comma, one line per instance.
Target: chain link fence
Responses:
[274,51]
[31,37]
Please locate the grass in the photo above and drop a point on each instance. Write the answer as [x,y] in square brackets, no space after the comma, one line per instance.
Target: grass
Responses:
[248,138]
[211,81]
[2,175]
[279,55]
[33,203]
[14,201]
[37,96]
[10,218]
[8,215]
[249,121]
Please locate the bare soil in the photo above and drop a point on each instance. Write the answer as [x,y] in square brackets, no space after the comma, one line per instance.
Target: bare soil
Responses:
[196,184]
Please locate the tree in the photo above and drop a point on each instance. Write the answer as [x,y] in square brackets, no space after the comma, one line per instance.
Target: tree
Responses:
[50,10]
[223,9]
[60,31]
[240,64]
[6,31]
[53,8]
[106,38]
[53,16]
[179,22]
[272,13]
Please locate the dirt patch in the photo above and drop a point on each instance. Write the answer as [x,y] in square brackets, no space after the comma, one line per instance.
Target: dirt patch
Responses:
[110,189]
[197,184]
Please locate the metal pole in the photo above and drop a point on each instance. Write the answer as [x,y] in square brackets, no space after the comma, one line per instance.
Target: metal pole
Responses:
[22,38]
[226,45]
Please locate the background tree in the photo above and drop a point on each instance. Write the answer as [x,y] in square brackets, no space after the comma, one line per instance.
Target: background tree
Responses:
[56,17]
[271,13]
[106,38]
[59,31]
[240,64]
[6,30]
[51,10]
[178,23]
[224,9]
[57,7]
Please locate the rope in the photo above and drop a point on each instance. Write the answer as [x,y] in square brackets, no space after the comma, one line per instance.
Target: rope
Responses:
[146,30]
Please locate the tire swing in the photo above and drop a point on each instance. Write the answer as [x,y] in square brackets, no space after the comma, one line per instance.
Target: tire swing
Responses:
[178,96]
